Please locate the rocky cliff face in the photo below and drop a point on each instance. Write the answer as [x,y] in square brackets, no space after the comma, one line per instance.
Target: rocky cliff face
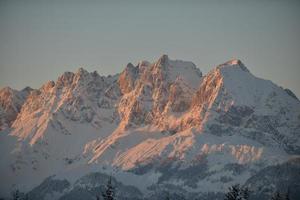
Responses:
[11,102]
[162,122]
[153,91]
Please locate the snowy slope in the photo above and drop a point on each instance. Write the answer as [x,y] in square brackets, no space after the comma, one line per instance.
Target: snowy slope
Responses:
[163,122]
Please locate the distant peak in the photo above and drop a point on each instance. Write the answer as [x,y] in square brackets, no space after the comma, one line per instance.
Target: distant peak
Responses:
[144,63]
[27,89]
[48,85]
[67,74]
[164,56]
[6,89]
[163,60]
[81,71]
[236,63]
[129,66]
[65,79]
[95,73]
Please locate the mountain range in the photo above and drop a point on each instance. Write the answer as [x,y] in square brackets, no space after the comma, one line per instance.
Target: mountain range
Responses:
[156,128]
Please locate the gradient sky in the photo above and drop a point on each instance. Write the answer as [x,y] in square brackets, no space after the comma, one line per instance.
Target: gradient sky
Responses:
[39,40]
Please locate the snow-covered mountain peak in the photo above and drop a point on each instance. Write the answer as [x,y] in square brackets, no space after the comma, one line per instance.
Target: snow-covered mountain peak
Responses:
[150,118]
[79,79]
[234,63]
[174,70]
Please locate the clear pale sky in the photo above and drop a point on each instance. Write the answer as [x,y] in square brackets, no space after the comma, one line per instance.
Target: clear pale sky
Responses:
[39,40]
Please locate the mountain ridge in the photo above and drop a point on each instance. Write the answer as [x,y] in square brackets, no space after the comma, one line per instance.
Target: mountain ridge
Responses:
[160,120]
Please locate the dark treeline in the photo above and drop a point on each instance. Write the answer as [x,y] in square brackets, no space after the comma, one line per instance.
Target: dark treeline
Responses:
[235,192]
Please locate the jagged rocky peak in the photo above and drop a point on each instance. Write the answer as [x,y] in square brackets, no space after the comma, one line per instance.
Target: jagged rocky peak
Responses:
[6,96]
[127,78]
[47,86]
[9,96]
[6,90]
[160,88]
[162,70]
[129,67]
[163,60]
[27,89]
[130,70]
[226,79]
[144,63]
[162,117]
[176,68]
[81,71]
[65,79]
[82,74]
[222,86]
[79,78]
[11,102]
[236,63]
